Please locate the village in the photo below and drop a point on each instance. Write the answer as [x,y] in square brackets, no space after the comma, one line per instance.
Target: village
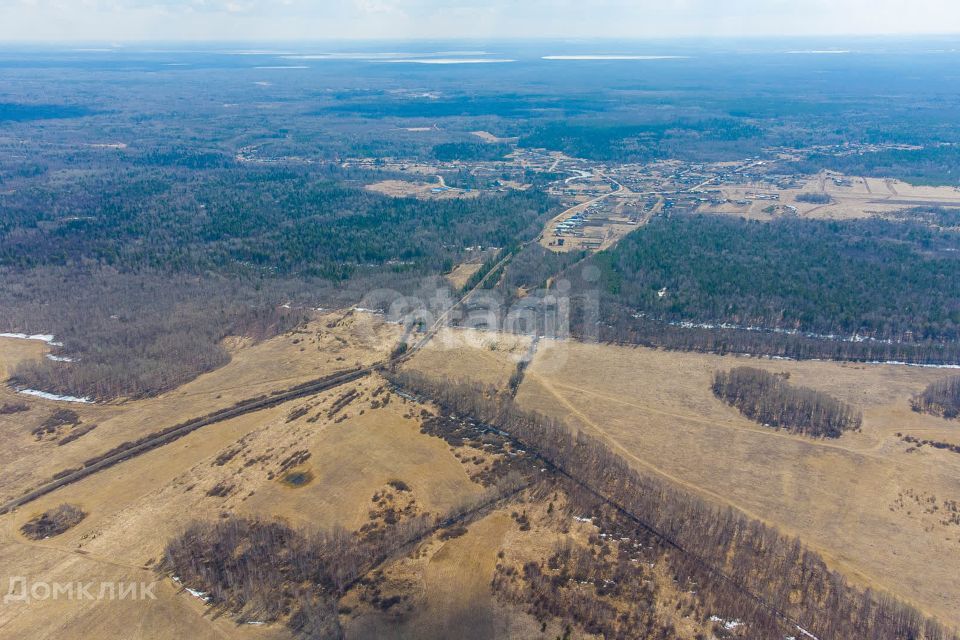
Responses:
[604,201]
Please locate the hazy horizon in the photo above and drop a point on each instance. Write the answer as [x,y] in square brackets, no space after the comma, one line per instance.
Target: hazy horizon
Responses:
[56,21]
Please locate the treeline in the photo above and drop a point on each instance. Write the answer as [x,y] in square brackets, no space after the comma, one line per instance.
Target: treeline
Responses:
[720,545]
[135,335]
[769,399]
[868,290]
[607,141]
[613,586]
[940,398]
[261,571]
[933,165]
[623,327]
[936,216]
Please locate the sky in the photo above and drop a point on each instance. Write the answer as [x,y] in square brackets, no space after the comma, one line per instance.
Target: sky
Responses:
[279,20]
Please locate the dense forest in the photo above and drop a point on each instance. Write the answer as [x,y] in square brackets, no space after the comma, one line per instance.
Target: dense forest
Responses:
[934,216]
[727,553]
[608,141]
[265,571]
[770,400]
[470,151]
[253,221]
[150,271]
[140,334]
[934,165]
[862,290]
[941,398]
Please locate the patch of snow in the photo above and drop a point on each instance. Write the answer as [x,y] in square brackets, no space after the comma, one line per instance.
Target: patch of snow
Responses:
[729,625]
[915,364]
[53,396]
[50,356]
[198,594]
[806,633]
[42,337]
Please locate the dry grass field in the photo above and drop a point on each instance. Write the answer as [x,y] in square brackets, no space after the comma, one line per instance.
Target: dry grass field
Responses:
[14,351]
[873,508]
[486,136]
[238,467]
[468,354]
[422,190]
[331,343]
[863,500]
[851,197]
[340,455]
[462,273]
[312,462]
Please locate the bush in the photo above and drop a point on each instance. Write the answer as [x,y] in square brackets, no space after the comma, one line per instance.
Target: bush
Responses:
[54,522]
[815,198]
[16,407]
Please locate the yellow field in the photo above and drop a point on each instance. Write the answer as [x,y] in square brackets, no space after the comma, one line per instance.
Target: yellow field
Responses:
[855,197]
[486,136]
[422,190]
[861,500]
[137,506]
[462,273]
[843,497]
[351,339]
[468,354]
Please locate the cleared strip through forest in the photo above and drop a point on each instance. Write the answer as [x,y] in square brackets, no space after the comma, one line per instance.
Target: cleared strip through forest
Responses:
[169,435]
[166,436]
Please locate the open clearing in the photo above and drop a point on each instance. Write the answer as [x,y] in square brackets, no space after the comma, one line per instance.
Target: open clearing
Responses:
[851,197]
[472,355]
[855,499]
[345,453]
[875,510]
[486,136]
[14,351]
[421,190]
[333,342]
[234,467]
[462,273]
